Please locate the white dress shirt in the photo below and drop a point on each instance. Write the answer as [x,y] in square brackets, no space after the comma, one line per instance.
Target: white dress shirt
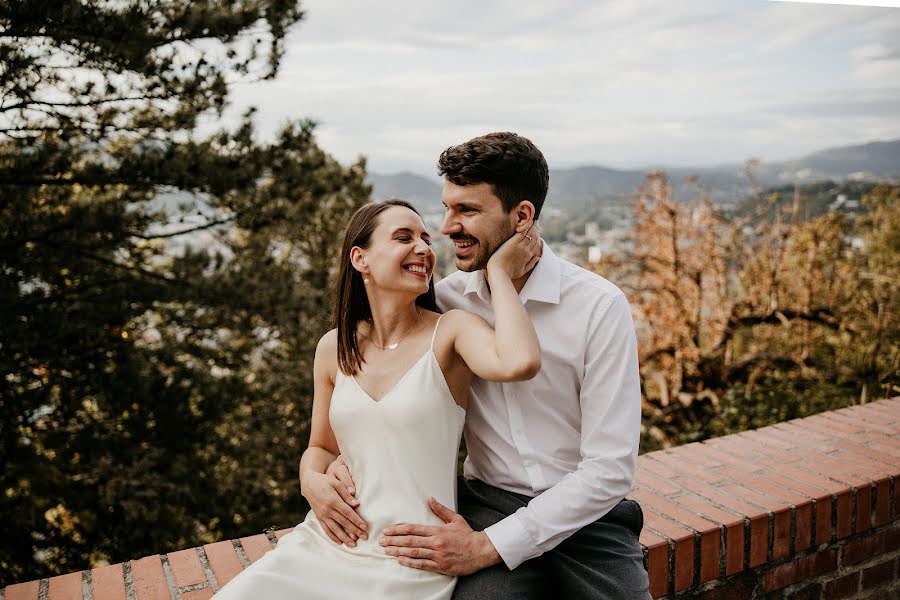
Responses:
[569,437]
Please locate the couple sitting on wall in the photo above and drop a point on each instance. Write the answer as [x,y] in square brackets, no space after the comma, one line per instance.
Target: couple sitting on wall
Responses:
[551,427]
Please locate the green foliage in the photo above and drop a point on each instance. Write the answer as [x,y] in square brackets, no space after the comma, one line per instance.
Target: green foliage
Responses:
[162,294]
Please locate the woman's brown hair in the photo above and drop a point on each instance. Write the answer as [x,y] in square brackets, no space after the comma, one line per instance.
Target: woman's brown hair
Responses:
[351,304]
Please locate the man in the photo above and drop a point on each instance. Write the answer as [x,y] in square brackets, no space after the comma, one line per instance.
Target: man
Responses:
[542,502]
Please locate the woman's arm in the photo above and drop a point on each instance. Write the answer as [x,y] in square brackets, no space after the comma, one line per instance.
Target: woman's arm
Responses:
[510,351]
[329,499]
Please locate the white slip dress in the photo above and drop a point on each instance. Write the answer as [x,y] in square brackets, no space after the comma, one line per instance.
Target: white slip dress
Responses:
[401,450]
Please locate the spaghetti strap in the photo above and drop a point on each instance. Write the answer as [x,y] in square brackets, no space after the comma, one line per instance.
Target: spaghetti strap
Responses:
[434,335]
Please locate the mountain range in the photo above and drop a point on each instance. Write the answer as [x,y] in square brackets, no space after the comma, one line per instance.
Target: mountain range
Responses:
[572,189]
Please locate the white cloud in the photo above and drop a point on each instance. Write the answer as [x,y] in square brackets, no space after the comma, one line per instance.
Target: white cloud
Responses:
[625,83]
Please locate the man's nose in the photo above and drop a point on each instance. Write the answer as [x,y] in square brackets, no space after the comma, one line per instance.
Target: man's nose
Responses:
[450,225]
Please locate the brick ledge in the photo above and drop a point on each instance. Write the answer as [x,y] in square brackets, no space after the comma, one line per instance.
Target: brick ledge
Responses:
[807,505]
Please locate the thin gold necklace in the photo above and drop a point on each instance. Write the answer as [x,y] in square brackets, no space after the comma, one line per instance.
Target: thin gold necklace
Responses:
[402,337]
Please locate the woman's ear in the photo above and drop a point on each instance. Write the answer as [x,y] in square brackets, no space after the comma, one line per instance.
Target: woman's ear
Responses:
[358,259]
[523,216]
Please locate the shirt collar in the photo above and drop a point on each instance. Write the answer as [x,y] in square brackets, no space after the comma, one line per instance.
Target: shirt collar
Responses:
[542,286]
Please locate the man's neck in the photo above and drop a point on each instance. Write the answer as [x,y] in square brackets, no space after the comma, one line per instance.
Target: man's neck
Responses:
[517,283]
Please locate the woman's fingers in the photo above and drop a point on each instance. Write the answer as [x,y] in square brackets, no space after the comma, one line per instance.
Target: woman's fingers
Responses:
[326,525]
[343,475]
[350,525]
[343,491]
[340,532]
[353,519]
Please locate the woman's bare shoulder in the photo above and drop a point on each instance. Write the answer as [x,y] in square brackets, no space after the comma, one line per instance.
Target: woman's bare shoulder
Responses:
[326,352]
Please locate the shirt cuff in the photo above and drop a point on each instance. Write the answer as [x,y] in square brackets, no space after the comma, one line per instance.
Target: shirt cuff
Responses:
[512,541]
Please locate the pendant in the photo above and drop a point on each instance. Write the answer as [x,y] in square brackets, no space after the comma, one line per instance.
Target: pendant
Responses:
[393,346]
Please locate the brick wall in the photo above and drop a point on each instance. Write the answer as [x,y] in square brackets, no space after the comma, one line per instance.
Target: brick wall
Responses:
[802,509]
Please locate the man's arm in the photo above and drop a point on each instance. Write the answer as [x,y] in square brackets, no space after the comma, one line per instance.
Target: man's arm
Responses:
[610,433]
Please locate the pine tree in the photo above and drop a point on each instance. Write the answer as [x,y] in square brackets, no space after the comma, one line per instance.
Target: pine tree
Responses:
[162,292]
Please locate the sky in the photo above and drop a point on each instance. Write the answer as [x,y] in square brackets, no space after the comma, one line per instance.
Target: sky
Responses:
[623,84]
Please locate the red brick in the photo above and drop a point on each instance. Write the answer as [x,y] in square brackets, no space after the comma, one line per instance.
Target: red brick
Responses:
[882,501]
[149,579]
[186,567]
[742,456]
[256,546]
[803,434]
[888,461]
[759,518]
[201,594]
[823,520]
[698,452]
[763,438]
[781,547]
[877,575]
[734,530]
[740,587]
[684,564]
[803,519]
[662,465]
[863,508]
[108,583]
[811,591]
[809,491]
[716,495]
[223,560]
[844,514]
[810,478]
[869,420]
[683,539]
[895,509]
[880,440]
[647,479]
[786,495]
[23,591]
[657,563]
[759,542]
[283,532]
[892,540]
[710,534]
[832,469]
[860,420]
[859,550]
[65,587]
[862,467]
[781,515]
[801,569]
[829,426]
[842,587]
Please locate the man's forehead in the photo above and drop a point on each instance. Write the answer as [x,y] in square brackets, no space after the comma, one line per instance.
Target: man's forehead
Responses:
[473,193]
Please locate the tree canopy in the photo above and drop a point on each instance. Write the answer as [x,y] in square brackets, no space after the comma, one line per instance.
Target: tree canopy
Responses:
[772,311]
[162,290]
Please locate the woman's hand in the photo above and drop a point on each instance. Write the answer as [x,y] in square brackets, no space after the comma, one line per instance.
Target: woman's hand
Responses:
[518,255]
[333,505]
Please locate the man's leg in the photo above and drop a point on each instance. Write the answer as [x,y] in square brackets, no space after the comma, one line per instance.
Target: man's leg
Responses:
[482,506]
[603,560]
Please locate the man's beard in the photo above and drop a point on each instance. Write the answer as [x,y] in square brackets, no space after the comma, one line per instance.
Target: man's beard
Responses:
[486,249]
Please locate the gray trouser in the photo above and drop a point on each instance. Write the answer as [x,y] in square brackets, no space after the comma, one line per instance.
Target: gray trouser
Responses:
[603,560]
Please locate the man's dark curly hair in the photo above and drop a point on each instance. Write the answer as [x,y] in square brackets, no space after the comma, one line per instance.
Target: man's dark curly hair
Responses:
[510,163]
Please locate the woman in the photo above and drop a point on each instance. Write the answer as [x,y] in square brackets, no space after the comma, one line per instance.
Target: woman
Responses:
[391,384]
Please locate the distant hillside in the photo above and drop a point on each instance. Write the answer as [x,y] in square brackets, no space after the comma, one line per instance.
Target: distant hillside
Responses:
[423,193]
[574,189]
